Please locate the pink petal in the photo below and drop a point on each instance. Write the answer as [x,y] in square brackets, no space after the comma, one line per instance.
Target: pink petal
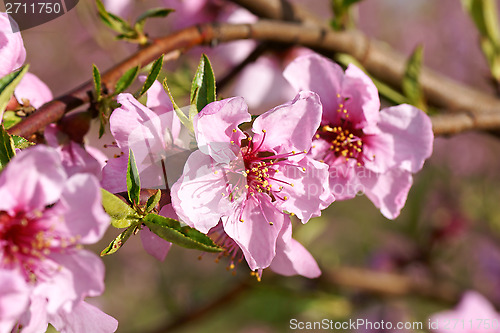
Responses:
[32,180]
[255,236]
[292,258]
[159,102]
[310,192]
[388,191]
[363,104]
[12,50]
[412,132]
[133,116]
[85,218]
[321,75]
[217,125]
[114,175]
[152,243]
[84,317]
[14,296]
[34,90]
[199,197]
[77,275]
[290,126]
[378,150]
[35,319]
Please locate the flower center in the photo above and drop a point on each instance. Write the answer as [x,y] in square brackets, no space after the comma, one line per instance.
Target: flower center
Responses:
[25,241]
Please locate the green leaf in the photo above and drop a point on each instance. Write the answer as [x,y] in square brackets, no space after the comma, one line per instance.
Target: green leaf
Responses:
[7,149]
[152,75]
[151,13]
[341,11]
[172,231]
[126,80]
[188,123]
[133,180]
[410,85]
[118,242]
[114,22]
[20,142]
[97,82]
[484,14]
[10,118]
[203,86]
[7,85]
[153,201]
[122,215]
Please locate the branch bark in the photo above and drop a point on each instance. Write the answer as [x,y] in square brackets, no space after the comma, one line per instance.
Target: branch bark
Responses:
[440,90]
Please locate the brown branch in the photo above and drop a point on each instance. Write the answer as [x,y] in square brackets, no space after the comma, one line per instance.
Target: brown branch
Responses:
[439,89]
[449,124]
[382,61]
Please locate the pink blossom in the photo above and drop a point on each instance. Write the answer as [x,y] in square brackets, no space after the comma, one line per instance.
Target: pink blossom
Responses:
[38,199]
[14,297]
[474,314]
[153,132]
[154,135]
[253,182]
[31,90]
[368,151]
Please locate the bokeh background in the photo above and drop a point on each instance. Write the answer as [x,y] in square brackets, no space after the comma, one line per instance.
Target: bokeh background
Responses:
[446,241]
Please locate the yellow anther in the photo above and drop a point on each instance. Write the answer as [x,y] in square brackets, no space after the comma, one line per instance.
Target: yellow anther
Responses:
[234,130]
[271,223]
[285,198]
[241,220]
[263,131]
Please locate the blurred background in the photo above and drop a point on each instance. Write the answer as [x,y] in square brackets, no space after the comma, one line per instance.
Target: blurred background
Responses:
[446,240]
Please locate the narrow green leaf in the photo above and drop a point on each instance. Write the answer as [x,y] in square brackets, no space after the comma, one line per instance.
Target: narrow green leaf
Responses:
[203,86]
[7,85]
[133,181]
[151,13]
[188,123]
[7,149]
[97,82]
[410,85]
[126,80]
[118,242]
[152,75]
[153,201]
[114,22]
[20,142]
[122,215]
[172,231]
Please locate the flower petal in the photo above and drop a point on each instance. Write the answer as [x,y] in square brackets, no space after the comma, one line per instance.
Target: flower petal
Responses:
[14,297]
[32,180]
[412,132]
[289,127]
[34,90]
[292,258]
[114,175]
[199,197]
[84,216]
[216,126]
[321,75]
[84,317]
[154,244]
[255,236]
[310,192]
[388,191]
[12,51]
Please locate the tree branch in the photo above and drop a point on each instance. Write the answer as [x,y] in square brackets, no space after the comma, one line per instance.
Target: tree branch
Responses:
[440,90]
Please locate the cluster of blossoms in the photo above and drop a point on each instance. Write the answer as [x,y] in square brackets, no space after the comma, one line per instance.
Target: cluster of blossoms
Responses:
[236,179]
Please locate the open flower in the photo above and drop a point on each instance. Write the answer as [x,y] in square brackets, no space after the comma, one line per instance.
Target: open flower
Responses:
[473,314]
[45,217]
[253,180]
[368,151]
